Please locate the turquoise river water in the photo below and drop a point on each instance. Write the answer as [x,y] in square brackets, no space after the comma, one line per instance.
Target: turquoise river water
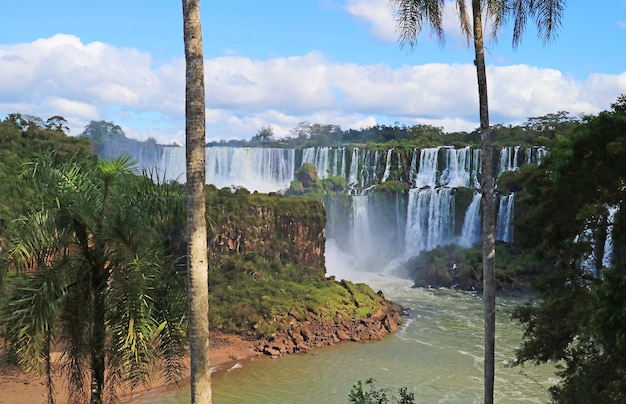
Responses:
[437,355]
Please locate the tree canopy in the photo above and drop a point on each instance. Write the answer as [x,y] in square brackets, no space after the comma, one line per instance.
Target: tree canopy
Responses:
[578,223]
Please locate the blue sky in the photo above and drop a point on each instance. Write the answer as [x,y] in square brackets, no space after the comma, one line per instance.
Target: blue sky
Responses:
[281,62]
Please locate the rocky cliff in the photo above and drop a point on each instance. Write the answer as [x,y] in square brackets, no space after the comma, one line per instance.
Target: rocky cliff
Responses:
[267,277]
[273,226]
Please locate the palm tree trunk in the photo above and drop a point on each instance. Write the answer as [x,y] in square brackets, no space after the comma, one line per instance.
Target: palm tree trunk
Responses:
[98,281]
[488,207]
[197,267]
[98,335]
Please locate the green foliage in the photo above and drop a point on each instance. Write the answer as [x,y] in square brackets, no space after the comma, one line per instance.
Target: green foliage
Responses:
[256,283]
[392,187]
[100,281]
[536,131]
[307,175]
[374,395]
[578,316]
[334,184]
[249,295]
[453,265]
[24,138]
[264,135]
[308,184]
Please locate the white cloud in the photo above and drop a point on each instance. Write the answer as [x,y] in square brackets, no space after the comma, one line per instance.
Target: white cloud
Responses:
[378,15]
[62,76]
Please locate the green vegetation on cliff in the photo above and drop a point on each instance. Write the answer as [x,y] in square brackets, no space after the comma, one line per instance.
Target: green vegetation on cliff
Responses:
[267,259]
[266,251]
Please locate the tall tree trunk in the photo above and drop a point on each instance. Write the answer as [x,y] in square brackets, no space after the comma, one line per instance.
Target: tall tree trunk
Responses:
[488,207]
[93,252]
[197,267]
[98,335]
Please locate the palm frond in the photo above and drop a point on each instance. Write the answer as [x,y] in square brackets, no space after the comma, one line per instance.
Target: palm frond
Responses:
[464,19]
[548,16]
[497,12]
[520,10]
[410,16]
[110,169]
[31,317]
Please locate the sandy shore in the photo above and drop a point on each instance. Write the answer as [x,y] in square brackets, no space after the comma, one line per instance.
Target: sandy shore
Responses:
[17,387]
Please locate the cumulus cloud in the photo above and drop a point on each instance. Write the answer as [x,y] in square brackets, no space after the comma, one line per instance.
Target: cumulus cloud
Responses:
[61,75]
[377,14]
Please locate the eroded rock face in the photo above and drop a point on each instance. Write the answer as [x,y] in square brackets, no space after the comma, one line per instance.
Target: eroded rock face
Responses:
[275,227]
[315,332]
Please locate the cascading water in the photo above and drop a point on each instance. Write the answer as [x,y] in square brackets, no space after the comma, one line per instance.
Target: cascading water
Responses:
[328,161]
[509,159]
[387,166]
[400,223]
[363,167]
[430,219]
[353,176]
[376,226]
[259,169]
[362,239]
[458,168]
[505,214]
[426,175]
[471,231]
[607,259]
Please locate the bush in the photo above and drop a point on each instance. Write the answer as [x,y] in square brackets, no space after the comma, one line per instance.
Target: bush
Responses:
[378,396]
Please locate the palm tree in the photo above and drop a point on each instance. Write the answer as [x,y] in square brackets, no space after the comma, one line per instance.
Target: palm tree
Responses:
[198,284]
[410,16]
[102,284]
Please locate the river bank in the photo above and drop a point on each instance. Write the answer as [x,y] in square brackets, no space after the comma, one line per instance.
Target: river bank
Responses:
[227,351]
[18,387]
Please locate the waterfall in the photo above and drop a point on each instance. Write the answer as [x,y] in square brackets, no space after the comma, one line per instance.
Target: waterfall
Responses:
[363,167]
[541,153]
[476,164]
[257,169]
[375,226]
[510,158]
[172,164]
[317,156]
[505,216]
[353,177]
[458,167]
[363,241]
[387,165]
[427,172]
[471,231]
[342,165]
[413,168]
[430,219]
[607,259]
[328,161]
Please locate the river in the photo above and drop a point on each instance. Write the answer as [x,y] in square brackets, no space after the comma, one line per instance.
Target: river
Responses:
[437,355]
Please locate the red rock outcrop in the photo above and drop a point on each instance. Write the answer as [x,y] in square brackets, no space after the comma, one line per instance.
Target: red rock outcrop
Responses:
[316,332]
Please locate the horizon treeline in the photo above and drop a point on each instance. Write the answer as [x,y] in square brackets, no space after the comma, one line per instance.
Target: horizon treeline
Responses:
[535,131]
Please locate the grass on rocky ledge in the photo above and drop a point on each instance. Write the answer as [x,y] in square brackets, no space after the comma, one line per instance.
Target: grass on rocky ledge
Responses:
[253,296]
